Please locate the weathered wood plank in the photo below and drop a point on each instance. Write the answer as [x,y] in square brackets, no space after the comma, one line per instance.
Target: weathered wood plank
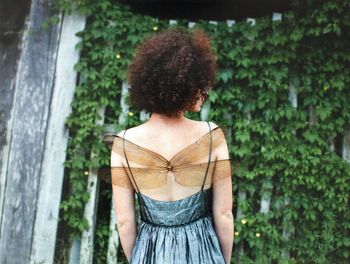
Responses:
[242,194]
[230,22]
[46,220]
[204,112]
[287,229]
[346,146]
[113,241]
[266,190]
[33,91]
[90,210]
[12,25]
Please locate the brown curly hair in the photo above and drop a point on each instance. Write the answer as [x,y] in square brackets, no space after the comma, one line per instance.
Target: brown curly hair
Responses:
[169,69]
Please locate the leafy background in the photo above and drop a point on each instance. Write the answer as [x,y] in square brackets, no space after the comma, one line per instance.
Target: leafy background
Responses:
[291,154]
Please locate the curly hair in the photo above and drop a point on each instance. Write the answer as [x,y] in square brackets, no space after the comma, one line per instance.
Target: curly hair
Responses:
[169,69]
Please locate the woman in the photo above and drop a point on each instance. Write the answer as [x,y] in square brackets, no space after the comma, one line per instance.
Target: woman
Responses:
[178,167]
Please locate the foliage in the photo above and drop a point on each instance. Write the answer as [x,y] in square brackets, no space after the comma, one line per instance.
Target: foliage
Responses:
[284,152]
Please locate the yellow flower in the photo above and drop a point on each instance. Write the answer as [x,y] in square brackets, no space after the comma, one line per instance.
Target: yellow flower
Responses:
[257,235]
[236,233]
[86,173]
[155,28]
[130,113]
[118,56]
[244,221]
[325,88]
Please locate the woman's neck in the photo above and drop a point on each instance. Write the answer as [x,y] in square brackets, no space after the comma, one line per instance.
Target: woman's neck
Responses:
[162,119]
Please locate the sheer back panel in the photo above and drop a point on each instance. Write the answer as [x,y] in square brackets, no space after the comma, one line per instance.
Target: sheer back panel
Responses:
[177,178]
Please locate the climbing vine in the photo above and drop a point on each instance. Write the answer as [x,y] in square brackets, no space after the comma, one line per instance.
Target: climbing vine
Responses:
[283,150]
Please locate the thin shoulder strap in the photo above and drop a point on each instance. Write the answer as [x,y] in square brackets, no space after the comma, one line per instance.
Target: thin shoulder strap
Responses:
[209,159]
[127,162]
[138,190]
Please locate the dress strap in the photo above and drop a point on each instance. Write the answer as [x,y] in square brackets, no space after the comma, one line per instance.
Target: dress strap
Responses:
[127,162]
[138,190]
[209,159]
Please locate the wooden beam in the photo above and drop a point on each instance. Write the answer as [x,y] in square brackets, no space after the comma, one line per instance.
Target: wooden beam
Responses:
[287,229]
[346,146]
[46,220]
[90,210]
[266,190]
[33,92]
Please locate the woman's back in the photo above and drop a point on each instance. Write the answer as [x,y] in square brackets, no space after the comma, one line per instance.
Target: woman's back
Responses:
[170,164]
[176,209]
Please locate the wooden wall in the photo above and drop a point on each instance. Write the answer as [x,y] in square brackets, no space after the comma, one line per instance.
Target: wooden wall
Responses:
[37,87]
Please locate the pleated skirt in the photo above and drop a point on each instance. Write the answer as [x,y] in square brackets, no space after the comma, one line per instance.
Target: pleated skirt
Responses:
[177,232]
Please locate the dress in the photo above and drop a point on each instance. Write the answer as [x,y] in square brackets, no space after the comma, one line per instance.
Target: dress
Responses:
[179,231]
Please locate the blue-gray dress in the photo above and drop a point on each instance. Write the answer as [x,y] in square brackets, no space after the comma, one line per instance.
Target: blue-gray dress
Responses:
[177,232]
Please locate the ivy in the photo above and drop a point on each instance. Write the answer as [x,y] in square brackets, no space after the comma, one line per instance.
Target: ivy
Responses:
[281,154]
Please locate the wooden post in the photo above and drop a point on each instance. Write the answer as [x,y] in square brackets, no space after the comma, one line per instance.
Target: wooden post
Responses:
[46,220]
[90,211]
[230,22]
[242,194]
[346,146]
[287,229]
[191,24]
[267,189]
[172,22]
[206,106]
[27,126]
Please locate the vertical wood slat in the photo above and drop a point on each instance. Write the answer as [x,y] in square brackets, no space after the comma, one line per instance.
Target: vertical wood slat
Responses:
[228,114]
[267,189]
[230,22]
[287,229]
[113,242]
[346,146]
[242,194]
[204,113]
[75,243]
[172,22]
[46,221]
[90,211]
[191,24]
[74,251]
[27,126]
[9,55]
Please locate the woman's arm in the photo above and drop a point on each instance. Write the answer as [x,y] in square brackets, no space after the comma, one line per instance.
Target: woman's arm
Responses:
[126,221]
[223,217]
[223,201]
[124,204]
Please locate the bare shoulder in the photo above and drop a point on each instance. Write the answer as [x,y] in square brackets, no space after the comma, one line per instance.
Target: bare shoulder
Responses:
[204,124]
[132,131]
